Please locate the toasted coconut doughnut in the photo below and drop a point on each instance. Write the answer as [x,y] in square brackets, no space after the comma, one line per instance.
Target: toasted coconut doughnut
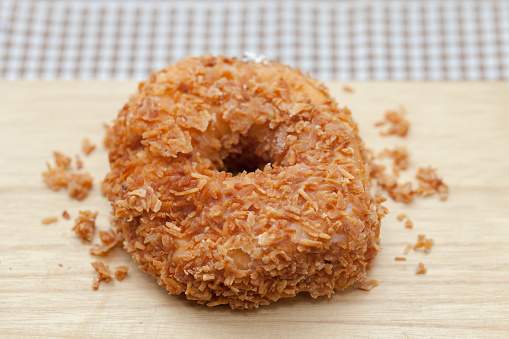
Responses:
[241,183]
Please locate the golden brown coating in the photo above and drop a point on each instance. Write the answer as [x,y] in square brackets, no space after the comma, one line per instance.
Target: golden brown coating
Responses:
[300,218]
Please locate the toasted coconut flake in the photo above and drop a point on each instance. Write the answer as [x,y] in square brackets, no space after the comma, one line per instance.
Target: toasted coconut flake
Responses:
[87,147]
[400,258]
[66,215]
[121,272]
[367,285]
[398,124]
[62,160]
[79,163]
[109,240]
[55,177]
[85,225]
[408,249]
[423,242]
[402,216]
[421,269]
[103,273]
[348,89]
[430,183]
[409,223]
[49,220]
[60,176]
[402,193]
[79,185]
[399,155]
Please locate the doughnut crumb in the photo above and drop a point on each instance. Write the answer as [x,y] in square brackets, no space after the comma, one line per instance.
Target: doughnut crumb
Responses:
[430,183]
[121,272]
[423,242]
[399,155]
[421,269]
[79,162]
[66,215]
[398,124]
[348,89]
[60,176]
[49,220]
[109,240]
[62,160]
[85,225]
[408,249]
[409,223]
[87,147]
[103,273]
[367,285]
[401,217]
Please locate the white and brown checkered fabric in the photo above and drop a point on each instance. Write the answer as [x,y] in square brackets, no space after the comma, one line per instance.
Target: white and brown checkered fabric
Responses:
[362,40]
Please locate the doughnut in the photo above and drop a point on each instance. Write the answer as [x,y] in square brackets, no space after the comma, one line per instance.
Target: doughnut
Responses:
[241,182]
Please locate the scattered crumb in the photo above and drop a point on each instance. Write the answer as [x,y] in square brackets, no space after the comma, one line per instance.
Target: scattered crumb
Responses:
[66,215]
[409,223]
[422,242]
[79,185]
[107,136]
[121,272]
[87,146]
[103,273]
[401,216]
[421,269]
[55,177]
[408,249]
[60,265]
[62,160]
[389,183]
[109,239]
[367,285]
[348,89]
[398,124]
[399,155]
[430,183]
[400,258]
[85,225]
[79,163]
[402,193]
[49,220]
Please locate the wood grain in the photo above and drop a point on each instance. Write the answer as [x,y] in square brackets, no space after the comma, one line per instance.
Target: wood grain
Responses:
[460,128]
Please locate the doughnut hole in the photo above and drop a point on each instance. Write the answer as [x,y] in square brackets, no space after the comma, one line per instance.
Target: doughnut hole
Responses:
[237,163]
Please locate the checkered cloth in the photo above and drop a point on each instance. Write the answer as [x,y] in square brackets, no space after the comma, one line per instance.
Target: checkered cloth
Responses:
[343,40]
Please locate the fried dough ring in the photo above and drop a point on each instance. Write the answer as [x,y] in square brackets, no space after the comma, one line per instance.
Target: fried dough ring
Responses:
[301,218]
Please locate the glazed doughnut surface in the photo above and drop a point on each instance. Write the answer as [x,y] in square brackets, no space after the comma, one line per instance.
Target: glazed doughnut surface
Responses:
[241,183]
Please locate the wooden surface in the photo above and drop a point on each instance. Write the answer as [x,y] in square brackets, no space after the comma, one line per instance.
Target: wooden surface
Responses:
[460,128]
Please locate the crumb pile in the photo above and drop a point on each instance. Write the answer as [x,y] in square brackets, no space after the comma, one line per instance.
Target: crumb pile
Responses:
[79,185]
[428,182]
[60,176]
[241,183]
[85,225]
[109,239]
[398,124]
[105,274]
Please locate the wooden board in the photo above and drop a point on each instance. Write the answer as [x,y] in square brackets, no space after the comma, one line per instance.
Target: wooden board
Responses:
[460,128]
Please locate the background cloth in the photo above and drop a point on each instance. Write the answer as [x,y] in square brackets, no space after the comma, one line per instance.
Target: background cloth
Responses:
[332,40]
